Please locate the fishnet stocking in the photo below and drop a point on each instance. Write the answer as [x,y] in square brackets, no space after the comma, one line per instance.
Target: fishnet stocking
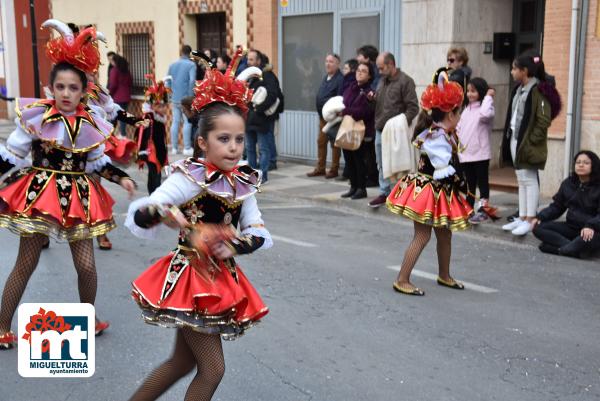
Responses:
[444,251]
[87,280]
[412,253]
[191,349]
[27,260]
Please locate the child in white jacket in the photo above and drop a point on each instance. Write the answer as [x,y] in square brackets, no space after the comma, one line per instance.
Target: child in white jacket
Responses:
[474,130]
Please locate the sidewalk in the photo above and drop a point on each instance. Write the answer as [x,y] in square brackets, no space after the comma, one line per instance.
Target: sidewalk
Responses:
[290,180]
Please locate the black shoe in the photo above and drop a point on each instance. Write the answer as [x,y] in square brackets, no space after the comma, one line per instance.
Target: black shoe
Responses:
[513,216]
[272,166]
[360,193]
[547,248]
[46,244]
[349,194]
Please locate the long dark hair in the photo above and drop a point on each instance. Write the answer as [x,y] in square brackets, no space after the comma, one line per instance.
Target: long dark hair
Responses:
[121,63]
[64,66]
[480,85]
[206,121]
[534,64]
[595,174]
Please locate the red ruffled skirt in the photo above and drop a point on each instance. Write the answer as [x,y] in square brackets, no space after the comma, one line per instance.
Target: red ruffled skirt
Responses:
[425,200]
[120,151]
[182,290]
[65,206]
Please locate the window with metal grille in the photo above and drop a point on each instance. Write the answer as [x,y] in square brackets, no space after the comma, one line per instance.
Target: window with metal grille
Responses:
[136,49]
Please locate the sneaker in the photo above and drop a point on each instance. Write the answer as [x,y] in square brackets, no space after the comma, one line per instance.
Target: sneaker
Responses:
[512,225]
[478,217]
[174,151]
[8,340]
[188,152]
[100,327]
[523,228]
[379,201]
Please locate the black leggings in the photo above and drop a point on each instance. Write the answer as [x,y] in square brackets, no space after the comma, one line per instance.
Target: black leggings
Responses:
[477,174]
[154,177]
[565,238]
[357,170]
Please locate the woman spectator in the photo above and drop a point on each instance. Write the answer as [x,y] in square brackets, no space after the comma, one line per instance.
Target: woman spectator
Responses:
[457,59]
[359,107]
[579,196]
[120,85]
[223,62]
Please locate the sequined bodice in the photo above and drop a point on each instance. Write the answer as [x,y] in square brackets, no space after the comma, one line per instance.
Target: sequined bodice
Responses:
[209,208]
[47,157]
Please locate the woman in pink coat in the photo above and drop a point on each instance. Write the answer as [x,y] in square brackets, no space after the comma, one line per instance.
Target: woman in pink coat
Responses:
[474,130]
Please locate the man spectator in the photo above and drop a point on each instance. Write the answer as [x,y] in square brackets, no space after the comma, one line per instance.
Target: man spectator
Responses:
[368,54]
[395,95]
[261,115]
[330,87]
[109,56]
[183,73]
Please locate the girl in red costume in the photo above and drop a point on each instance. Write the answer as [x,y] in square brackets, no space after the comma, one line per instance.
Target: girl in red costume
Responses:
[152,143]
[198,288]
[54,194]
[432,197]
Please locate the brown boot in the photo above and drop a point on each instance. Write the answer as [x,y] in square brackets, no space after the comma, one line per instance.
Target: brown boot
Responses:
[331,174]
[315,173]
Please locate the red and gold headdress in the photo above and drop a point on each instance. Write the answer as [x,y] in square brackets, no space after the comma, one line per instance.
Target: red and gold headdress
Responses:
[157,92]
[442,94]
[224,88]
[79,50]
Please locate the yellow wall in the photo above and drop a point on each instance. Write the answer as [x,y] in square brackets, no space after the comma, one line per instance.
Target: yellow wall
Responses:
[240,23]
[105,13]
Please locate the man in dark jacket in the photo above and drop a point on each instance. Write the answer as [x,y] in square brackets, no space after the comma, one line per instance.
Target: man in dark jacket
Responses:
[330,86]
[396,94]
[260,119]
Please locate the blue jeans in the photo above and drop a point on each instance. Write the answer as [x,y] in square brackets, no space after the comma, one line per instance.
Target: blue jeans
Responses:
[122,125]
[384,183]
[178,116]
[272,146]
[252,137]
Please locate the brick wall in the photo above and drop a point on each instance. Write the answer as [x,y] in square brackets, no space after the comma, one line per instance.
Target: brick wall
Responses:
[591,79]
[557,33]
[262,27]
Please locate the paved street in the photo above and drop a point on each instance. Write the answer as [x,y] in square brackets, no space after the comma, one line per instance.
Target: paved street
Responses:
[526,327]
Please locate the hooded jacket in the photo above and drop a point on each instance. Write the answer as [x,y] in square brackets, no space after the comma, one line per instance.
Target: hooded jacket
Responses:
[532,138]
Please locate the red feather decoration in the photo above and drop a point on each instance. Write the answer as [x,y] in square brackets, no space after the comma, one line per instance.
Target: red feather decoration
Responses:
[446,99]
[83,53]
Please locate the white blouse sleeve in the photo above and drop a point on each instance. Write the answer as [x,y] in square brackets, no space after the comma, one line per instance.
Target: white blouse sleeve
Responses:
[96,159]
[176,190]
[17,148]
[439,151]
[251,222]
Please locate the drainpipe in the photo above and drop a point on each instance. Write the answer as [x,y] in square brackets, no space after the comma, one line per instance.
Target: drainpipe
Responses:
[571,88]
[583,26]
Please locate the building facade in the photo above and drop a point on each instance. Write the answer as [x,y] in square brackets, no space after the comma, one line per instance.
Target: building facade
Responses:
[297,34]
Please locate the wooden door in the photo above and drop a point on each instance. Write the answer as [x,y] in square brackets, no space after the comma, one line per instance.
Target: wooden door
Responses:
[25,48]
[212,32]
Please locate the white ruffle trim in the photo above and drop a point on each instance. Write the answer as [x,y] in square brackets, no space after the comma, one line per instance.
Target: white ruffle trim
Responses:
[260,232]
[96,165]
[441,173]
[145,233]
[12,158]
